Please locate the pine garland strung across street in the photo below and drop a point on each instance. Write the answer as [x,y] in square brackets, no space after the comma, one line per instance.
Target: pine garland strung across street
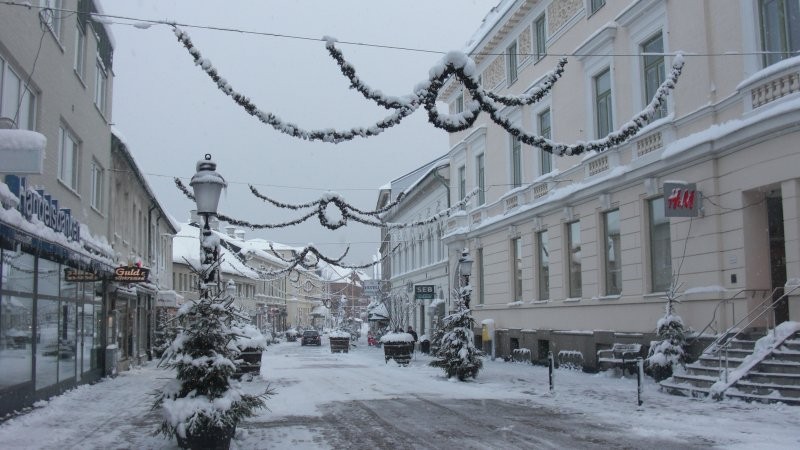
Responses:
[345,209]
[463,68]
[317,202]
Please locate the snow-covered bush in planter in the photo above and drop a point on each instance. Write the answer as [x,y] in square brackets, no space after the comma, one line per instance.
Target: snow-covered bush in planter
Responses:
[456,353]
[665,354]
[398,346]
[203,404]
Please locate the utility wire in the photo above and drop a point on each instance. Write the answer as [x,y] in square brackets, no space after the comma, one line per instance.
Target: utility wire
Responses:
[146,23]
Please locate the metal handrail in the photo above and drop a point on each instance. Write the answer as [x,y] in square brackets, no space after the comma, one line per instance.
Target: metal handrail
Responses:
[768,305]
[716,308]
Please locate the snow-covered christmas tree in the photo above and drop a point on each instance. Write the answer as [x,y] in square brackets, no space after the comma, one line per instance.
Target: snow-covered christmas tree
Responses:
[204,402]
[668,352]
[456,353]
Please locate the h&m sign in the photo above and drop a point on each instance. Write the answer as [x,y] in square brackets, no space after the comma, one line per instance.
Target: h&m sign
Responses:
[39,204]
[681,199]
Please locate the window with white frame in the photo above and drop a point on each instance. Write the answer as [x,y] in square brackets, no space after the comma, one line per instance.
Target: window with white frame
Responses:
[543,263]
[462,183]
[17,102]
[604,120]
[660,247]
[481,275]
[68,158]
[613,252]
[516,162]
[430,247]
[480,175]
[511,63]
[545,158]
[540,34]
[516,270]
[100,86]
[80,50]
[595,5]
[653,71]
[458,105]
[574,259]
[51,14]
[779,22]
[98,186]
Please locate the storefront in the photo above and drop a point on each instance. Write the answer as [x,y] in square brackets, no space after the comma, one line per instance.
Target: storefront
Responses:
[52,303]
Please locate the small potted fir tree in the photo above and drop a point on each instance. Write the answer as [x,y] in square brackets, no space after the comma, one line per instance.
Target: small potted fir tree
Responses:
[203,404]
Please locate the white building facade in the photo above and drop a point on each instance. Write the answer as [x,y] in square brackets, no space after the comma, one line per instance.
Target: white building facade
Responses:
[576,253]
[419,278]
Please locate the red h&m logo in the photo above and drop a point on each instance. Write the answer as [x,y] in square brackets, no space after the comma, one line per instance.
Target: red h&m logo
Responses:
[682,199]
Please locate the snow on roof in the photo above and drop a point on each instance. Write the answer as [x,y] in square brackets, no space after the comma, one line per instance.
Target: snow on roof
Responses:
[489,21]
[186,247]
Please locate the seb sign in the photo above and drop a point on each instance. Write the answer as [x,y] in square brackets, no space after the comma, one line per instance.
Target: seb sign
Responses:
[423,292]
[681,199]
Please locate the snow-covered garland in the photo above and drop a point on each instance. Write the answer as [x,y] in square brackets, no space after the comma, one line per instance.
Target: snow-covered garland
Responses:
[436,217]
[345,209]
[327,198]
[453,64]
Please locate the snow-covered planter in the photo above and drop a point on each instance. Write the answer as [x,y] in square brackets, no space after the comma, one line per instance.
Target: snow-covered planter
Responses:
[340,341]
[202,406]
[398,346]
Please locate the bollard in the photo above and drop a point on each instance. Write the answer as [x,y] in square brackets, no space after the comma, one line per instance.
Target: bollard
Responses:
[552,365]
[639,379]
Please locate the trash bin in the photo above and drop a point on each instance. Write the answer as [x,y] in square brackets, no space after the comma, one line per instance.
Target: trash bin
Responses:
[425,346]
[112,353]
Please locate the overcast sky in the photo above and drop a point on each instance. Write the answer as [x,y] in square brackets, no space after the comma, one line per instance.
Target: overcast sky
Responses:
[171,114]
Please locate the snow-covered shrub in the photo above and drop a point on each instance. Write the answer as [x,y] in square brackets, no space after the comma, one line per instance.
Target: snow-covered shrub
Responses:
[665,354]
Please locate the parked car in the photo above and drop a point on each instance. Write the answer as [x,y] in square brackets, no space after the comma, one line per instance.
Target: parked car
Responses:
[311,337]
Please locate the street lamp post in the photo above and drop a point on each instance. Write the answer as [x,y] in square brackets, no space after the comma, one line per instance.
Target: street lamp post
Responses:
[465,270]
[207,185]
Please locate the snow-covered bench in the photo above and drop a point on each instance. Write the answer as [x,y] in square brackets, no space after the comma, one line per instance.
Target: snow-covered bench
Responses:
[623,356]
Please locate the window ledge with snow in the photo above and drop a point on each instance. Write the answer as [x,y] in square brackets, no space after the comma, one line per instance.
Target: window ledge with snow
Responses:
[572,300]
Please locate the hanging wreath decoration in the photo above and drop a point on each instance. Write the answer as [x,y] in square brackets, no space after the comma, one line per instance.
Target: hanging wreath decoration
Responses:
[453,64]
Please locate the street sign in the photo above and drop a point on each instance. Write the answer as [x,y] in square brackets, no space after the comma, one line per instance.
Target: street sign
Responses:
[424,292]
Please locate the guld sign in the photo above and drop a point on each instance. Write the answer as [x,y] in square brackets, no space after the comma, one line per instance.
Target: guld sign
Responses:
[130,274]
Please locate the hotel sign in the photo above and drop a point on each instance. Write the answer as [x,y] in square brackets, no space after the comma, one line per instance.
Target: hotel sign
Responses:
[130,274]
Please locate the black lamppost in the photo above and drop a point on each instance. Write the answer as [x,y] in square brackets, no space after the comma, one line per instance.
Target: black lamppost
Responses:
[465,270]
[207,185]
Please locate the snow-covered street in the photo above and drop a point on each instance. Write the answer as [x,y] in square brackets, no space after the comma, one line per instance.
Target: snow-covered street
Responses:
[356,400]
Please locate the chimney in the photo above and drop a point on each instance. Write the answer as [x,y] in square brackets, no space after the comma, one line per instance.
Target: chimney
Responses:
[194,218]
[239,234]
[229,230]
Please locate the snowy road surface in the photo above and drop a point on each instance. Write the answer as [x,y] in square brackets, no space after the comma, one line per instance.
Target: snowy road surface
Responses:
[357,401]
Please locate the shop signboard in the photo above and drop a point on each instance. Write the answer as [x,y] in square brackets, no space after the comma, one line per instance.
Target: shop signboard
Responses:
[424,292]
[80,276]
[682,199]
[130,274]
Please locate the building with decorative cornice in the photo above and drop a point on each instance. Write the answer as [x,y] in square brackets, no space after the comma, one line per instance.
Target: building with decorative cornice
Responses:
[576,253]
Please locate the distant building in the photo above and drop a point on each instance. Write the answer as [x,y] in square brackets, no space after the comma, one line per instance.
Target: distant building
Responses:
[419,279]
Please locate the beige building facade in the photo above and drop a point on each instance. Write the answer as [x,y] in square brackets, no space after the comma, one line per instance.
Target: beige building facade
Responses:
[575,253]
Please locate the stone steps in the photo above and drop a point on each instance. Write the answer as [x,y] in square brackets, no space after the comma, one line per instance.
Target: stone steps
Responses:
[774,379]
